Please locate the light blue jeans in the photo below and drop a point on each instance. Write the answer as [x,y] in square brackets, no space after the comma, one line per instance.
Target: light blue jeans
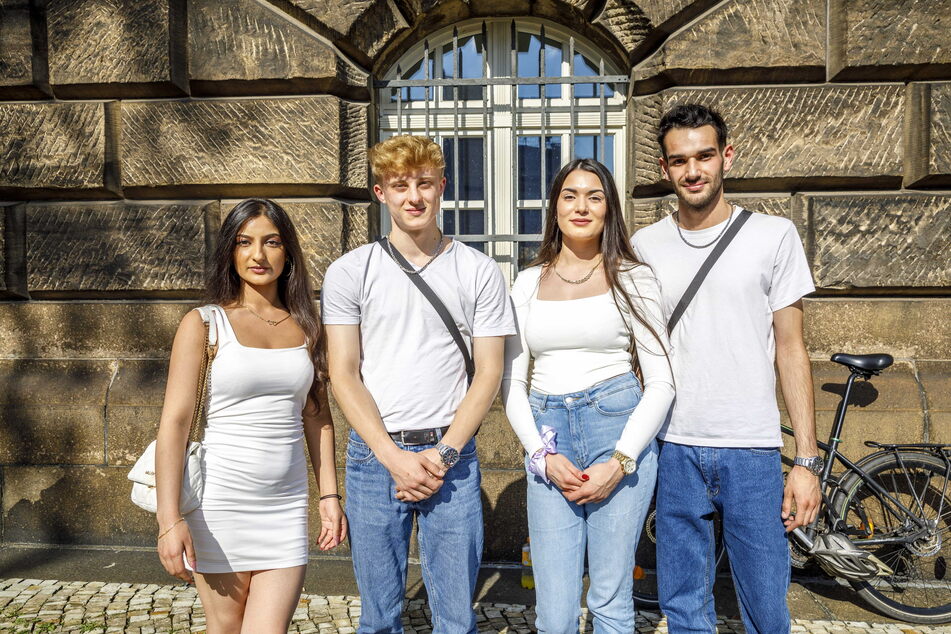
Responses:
[745,487]
[589,424]
[450,541]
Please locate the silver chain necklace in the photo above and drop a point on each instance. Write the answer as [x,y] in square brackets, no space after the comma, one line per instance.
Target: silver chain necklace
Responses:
[704,246]
[583,279]
[411,271]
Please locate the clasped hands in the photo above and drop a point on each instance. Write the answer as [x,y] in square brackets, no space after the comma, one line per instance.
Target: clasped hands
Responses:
[582,487]
[418,475]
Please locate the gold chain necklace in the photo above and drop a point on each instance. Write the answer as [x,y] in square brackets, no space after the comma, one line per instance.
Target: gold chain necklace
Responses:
[270,322]
[583,279]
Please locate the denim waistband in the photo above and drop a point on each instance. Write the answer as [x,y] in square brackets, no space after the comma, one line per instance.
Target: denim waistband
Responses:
[586,396]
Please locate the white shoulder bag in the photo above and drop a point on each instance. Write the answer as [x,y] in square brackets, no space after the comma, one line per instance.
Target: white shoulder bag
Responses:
[193,483]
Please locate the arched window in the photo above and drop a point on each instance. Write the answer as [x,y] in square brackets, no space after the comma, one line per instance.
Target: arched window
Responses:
[493,95]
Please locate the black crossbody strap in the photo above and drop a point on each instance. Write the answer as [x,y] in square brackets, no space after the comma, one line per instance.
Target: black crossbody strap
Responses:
[441,309]
[701,275]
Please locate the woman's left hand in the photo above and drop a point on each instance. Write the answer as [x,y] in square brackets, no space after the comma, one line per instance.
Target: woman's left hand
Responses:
[333,524]
[602,478]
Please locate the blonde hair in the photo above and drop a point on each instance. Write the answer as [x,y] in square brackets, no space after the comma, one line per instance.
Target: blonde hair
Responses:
[399,154]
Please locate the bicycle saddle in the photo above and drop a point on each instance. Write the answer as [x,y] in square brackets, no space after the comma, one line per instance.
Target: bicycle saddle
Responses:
[868,362]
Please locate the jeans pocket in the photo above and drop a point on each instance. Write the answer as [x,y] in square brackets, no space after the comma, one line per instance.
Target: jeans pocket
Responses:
[468,450]
[763,451]
[620,403]
[358,452]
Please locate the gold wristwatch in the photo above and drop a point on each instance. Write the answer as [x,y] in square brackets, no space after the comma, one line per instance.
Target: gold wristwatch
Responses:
[628,465]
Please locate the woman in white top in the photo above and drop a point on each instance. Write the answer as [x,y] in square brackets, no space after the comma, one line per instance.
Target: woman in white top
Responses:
[588,313]
[247,542]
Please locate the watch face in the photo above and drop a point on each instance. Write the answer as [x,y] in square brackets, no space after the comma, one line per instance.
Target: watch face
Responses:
[449,455]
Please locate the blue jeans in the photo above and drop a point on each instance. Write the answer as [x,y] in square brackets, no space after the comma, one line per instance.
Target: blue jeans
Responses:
[450,541]
[589,424]
[745,487]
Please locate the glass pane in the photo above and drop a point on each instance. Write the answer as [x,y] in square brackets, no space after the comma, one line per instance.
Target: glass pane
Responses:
[529,221]
[584,67]
[416,93]
[469,66]
[471,221]
[478,246]
[471,175]
[530,168]
[589,146]
[526,253]
[528,45]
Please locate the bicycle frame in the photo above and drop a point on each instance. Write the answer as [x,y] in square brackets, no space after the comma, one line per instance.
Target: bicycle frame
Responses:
[832,455]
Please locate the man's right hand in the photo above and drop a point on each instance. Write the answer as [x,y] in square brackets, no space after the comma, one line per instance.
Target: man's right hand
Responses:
[562,472]
[416,476]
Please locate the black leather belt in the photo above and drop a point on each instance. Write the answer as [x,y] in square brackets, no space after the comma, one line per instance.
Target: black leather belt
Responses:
[419,436]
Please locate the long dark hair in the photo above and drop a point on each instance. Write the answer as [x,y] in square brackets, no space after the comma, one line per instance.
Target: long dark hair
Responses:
[617,254]
[293,285]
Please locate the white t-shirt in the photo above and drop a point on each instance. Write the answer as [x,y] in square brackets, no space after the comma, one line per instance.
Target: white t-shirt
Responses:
[409,361]
[723,348]
[580,342]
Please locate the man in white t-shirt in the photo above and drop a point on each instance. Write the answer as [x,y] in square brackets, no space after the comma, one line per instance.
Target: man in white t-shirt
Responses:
[721,440]
[401,380]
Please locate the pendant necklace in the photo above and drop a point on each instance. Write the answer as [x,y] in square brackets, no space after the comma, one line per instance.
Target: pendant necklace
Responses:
[270,322]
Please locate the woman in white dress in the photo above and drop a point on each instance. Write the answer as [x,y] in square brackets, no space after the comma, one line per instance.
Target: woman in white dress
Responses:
[587,424]
[248,541]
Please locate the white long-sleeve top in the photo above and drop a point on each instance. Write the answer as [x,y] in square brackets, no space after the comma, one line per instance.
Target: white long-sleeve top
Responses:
[579,342]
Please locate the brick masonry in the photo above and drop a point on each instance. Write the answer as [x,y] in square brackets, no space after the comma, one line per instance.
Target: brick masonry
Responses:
[161,119]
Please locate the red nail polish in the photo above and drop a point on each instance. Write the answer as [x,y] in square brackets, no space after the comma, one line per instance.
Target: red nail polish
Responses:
[585,477]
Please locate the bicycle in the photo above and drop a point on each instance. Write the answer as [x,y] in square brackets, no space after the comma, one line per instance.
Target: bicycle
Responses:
[884,522]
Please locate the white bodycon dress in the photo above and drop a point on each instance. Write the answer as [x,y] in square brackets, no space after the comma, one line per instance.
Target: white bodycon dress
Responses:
[253,514]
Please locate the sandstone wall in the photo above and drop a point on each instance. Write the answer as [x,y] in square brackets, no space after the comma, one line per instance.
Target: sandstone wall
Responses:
[128,128]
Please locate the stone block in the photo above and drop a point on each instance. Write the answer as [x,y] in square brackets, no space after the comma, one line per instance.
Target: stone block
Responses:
[896,389]
[777,146]
[327,229]
[73,505]
[498,446]
[140,248]
[56,148]
[280,146]
[24,73]
[940,430]
[906,328]
[117,48]
[754,41]
[92,330]
[361,27]
[249,47]
[134,408]
[884,39]
[870,240]
[929,135]
[504,513]
[12,252]
[936,384]
[52,411]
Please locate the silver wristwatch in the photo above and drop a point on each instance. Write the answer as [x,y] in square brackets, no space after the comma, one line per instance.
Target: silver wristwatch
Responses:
[449,455]
[813,463]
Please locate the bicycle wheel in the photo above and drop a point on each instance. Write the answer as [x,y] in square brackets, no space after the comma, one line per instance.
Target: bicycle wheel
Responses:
[645,560]
[919,591]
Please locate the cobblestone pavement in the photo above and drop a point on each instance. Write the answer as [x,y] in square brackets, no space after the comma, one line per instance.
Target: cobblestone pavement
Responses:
[34,605]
